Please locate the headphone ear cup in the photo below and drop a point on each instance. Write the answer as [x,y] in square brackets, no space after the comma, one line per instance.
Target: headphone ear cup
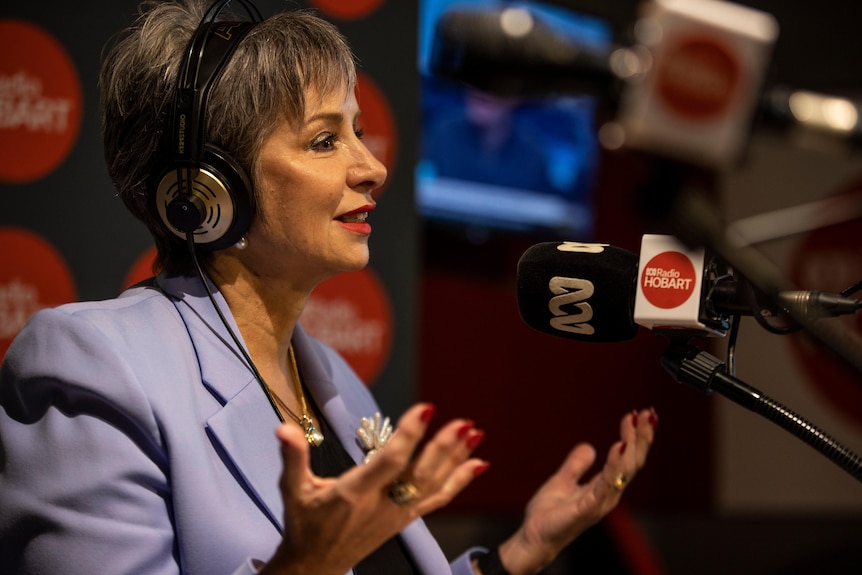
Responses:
[218,208]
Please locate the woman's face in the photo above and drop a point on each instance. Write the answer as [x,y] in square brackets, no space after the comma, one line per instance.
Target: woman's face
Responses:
[315,181]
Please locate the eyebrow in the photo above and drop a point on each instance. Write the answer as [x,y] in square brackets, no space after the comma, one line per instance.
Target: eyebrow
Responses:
[335,117]
[329,116]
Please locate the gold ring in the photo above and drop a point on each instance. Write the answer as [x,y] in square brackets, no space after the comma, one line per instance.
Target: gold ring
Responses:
[620,482]
[403,492]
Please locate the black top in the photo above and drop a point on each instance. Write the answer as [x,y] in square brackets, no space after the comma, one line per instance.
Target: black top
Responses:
[330,459]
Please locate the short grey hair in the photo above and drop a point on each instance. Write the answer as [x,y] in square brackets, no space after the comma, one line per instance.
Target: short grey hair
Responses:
[265,82]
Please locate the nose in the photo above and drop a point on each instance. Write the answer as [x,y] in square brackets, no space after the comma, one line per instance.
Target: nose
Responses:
[368,172]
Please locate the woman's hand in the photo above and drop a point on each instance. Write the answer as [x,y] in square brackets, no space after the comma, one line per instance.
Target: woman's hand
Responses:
[564,507]
[330,524]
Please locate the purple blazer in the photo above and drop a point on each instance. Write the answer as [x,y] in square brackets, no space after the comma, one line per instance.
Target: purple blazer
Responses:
[134,440]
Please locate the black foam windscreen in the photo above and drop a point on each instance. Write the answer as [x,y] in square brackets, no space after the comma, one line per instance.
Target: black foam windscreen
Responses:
[514,51]
[582,291]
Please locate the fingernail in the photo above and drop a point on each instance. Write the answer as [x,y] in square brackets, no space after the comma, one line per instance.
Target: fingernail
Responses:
[427,413]
[481,468]
[623,447]
[634,418]
[465,429]
[653,418]
[474,440]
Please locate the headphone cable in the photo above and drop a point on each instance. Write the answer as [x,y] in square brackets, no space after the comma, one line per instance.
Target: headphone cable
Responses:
[190,241]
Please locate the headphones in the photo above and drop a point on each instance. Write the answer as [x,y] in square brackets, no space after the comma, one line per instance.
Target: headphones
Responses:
[201,190]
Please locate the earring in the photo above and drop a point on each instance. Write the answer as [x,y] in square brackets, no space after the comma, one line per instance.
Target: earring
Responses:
[242,243]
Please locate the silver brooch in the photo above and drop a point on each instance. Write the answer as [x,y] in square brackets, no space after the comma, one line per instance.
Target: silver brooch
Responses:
[374,434]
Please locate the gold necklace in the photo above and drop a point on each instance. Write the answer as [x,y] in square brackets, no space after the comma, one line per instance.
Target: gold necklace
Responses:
[312,435]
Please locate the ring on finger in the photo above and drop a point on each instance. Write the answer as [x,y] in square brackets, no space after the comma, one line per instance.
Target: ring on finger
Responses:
[403,492]
[620,481]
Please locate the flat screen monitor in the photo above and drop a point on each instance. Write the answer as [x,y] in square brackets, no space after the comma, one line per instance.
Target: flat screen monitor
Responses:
[521,164]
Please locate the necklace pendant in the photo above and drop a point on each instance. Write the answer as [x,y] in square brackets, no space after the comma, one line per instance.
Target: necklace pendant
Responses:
[313,436]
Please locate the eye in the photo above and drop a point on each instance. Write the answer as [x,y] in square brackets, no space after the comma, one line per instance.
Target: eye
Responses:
[323,143]
[360,132]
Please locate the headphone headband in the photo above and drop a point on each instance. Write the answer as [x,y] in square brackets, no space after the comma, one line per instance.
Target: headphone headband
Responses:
[202,190]
[210,50]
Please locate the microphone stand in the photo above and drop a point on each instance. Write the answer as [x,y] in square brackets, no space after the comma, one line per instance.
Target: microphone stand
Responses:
[691,365]
[673,197]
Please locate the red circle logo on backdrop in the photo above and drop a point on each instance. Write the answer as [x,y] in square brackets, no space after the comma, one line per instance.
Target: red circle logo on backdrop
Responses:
[32,276]
[377,123]
[830,259]
[347,9]
[352,313]
[668,280]
[698,78]
[40,102]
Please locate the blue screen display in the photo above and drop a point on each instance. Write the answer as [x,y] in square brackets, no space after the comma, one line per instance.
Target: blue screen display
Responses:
[508,162]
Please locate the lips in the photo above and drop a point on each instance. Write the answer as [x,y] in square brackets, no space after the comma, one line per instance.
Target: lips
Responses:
[355,220]
[356,217]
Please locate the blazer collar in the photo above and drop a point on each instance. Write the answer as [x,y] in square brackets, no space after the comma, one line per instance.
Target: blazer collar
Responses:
[244,428]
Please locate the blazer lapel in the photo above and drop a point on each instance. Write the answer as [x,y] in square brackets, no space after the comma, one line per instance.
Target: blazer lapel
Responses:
[342,414]
[243,430]
[344,406]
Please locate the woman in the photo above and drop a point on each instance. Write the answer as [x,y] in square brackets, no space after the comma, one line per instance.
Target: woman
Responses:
[138,433]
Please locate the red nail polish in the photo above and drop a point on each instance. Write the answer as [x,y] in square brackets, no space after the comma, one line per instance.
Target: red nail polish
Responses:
[623,447]
[634,418]
[427,413]
[474,440]
[464,429]
[653,418]
[480,469]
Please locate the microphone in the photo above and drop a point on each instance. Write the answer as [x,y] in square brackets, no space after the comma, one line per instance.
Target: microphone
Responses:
[582,291]
[513,51]
[688,87]
[590,291]
[805,113]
